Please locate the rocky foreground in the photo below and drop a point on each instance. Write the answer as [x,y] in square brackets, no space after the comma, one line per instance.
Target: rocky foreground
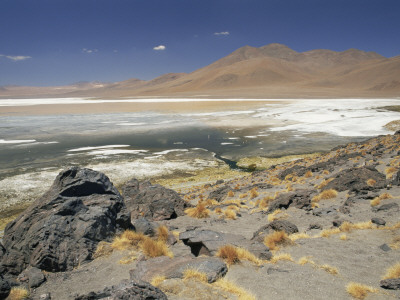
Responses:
[317,228]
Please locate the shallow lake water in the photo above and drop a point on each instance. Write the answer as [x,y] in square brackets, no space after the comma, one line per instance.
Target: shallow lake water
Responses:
[150,137]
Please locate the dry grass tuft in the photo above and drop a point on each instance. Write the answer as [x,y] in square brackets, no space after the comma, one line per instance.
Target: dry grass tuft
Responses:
[265,202]
[325,195]
[371,182]
[230,214]
[393,272]
[232,288]
[376,201]
[18,293]
[308,174]
[324,183]
[390,171]
[274,215]
[343,237]
[153,248]
[162,233]
[103,249]
[358,290]
[218,210]
[253,193]
[229,254]
[127,240]
[276,238]
[329,232]
[281,256]
[157,280]
[297,236]
[329,269]
[231,194]
[199,212]
[247,255]
[192,274]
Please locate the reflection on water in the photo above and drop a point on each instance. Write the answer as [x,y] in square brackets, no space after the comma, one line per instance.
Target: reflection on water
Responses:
[145,143]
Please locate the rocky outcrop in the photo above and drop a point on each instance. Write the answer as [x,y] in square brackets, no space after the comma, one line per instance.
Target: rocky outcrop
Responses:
[220,193]
[4,287]
[61,229]
[356,180]
[213,267]
[153,202]
[127,290]
[33,276]
[299,199]
[277,225]
[391,284]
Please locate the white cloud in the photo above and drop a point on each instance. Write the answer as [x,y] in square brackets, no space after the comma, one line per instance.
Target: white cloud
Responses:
[160,48]
[16,57]
[89,51]
[222,33]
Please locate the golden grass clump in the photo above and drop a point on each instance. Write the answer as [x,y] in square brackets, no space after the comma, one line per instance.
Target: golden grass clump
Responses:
[371,182]
[18,293]
[297,236]
[377,200]
[390,171]
[325,195]
[308,174]
[274,215]
[232,288]
[127,240]
[199,212]
[393,272]
[289,187]
[153,248]
[229,254]
[243,196]
[358,290]
[218,210]
[230,214]
[192,274]
[324,183]
[343,237]
[329,269]
[162,233]
[281,256]
[103,249]
[325,172]
[263,203]
[253,193]
[157,280]
[276,238]
[231,194]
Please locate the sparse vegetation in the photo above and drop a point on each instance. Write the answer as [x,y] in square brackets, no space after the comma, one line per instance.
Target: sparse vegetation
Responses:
[162,233]
[18,293]
[103,249]
[281,256]
[157,280]
[230,214]
[325,195]
[192,274]
[358,290]
[153,248]
[377,200]
[393,272]
[371,182]
[232,255]
[232,288]
[275,239]
[199,212]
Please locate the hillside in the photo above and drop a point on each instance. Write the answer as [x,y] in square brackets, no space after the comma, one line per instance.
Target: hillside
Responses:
[273,70]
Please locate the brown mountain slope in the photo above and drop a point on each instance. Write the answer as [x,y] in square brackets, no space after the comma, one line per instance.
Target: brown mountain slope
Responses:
[273,70]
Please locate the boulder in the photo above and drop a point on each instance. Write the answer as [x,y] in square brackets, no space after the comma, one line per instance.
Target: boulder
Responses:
[356,180]
[61,229]
[4,287]
[213,267]
[220,193]
[385,207]
[33,276]
[153,202]
[378,221]
[391,284]
[300,199]
[142,225]
[126,290]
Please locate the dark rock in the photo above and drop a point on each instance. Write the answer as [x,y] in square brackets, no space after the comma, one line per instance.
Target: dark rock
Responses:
[220,193]
[61,229]
[315,226]
[338,222]
[386,207]
[344,209]
[385,247]
[4,287]
[153,202]
[296,170]
[144,226]
[260,250]
[213,267]
[219,181]
[378,221]
[319,212]
[391,284]
[127,290]
[299,199]
[283,225]
[356,180]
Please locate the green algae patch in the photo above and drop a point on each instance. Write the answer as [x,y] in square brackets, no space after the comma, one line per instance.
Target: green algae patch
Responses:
[262,163]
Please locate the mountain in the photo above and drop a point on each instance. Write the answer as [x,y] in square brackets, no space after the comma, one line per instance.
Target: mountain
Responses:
[271,71]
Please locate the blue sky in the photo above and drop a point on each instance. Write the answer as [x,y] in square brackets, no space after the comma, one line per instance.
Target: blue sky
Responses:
[56,42]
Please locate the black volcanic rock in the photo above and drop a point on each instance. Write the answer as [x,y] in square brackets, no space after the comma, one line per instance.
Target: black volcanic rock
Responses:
[127,290]
[153,202]
[4,287]
[356,180]
[300,199]
[392,284]
[61,229]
